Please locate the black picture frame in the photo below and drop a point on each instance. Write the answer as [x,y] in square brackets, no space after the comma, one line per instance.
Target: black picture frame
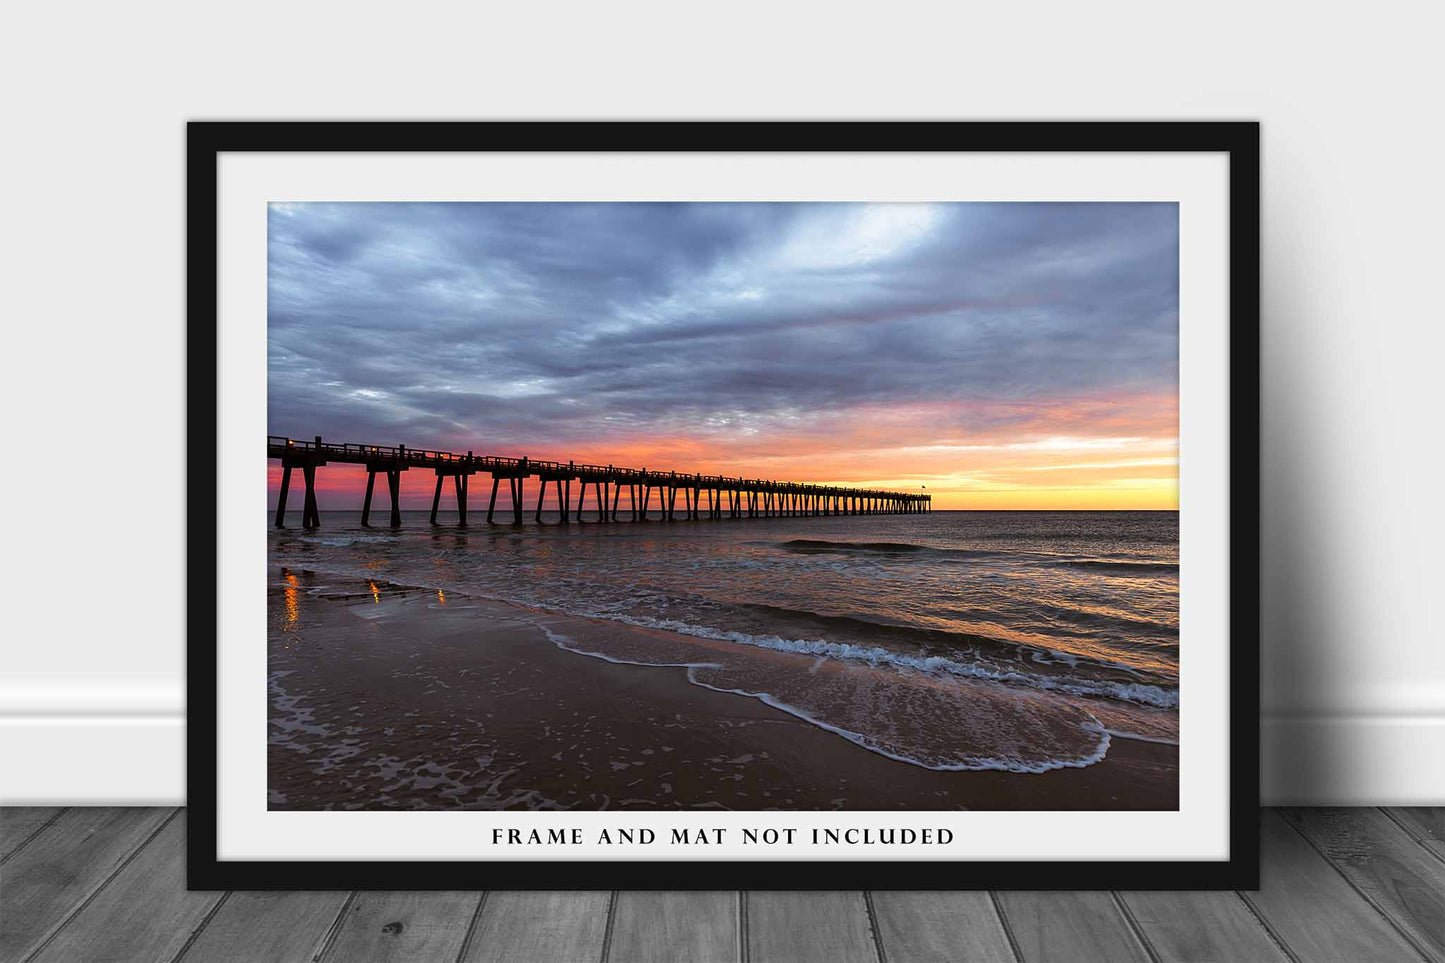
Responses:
[205,141]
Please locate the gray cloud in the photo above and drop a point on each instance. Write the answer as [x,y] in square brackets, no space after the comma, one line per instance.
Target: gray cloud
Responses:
[538,325]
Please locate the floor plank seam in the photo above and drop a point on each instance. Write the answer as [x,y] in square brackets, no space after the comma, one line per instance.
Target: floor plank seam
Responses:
[607,933]
[1134,927]
[1268,929]
[1380,911]
[329,939]
[1008,931]
[745,952]
[470,934]
[205,921]
[1413,833]
[35,832]
[873,930]
[90,897]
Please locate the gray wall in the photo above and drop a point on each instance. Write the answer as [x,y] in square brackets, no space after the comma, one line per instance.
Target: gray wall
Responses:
[91,694]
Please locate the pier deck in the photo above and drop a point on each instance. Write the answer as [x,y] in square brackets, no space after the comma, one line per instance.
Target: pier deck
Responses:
[725,496]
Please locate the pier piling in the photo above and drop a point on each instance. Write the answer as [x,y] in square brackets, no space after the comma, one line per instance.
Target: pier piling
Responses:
[281,496]
[310,516]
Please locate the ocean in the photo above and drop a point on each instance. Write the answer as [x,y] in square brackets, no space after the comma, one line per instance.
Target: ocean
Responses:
[1014,641]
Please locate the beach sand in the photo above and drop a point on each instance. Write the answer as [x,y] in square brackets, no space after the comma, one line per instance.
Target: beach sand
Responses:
[388,698]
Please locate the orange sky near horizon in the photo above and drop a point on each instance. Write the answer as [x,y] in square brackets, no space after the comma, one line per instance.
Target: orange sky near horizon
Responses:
[1087,454]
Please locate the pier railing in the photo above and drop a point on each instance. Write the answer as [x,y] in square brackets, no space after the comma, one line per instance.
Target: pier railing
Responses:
[745,497]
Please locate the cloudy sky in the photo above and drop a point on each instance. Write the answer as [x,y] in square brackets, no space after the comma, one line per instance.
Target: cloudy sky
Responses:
[1003,355]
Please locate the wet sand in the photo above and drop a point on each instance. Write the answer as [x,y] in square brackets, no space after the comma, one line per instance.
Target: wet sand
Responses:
[387,698]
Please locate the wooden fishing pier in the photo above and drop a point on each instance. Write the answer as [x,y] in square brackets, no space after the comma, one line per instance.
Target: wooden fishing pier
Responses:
[704,496]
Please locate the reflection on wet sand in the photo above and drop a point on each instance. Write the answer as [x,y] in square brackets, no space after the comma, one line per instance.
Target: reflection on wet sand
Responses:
[292,592]
[420,705]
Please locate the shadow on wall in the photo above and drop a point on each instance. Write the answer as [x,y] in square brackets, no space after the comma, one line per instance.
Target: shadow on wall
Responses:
[1311,520]
[1299,615]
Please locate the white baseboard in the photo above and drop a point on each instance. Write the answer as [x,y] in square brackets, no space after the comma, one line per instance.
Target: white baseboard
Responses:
[133,759]
[139,759]
[1365,760]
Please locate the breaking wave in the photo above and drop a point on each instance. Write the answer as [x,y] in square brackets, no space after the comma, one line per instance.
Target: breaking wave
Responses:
[1135,569]
[1141,693]
[813,546]
[922,724]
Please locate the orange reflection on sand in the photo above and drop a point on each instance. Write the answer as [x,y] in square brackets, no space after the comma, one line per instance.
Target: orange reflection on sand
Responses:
[375,592]
[293,595]
[441,597]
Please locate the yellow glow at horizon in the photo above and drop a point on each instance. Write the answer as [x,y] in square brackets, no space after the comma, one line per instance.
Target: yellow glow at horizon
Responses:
[1104,494]
[1161,497]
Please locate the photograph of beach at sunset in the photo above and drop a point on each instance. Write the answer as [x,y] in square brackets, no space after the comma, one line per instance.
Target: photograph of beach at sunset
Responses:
[728,506]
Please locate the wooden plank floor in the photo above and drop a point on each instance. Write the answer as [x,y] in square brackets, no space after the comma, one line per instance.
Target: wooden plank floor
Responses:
[104,884]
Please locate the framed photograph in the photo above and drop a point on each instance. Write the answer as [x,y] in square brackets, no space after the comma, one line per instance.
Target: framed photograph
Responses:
[859,505]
